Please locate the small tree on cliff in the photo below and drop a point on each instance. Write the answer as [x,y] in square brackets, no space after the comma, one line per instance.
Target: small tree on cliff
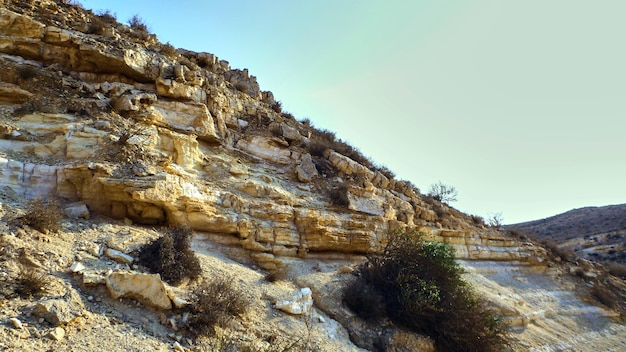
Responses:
[442,192]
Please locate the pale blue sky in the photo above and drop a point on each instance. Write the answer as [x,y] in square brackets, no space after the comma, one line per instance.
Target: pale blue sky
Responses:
[520,105]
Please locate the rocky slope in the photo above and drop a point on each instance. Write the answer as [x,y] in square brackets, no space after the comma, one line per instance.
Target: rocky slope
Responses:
[131,135]
[595,233]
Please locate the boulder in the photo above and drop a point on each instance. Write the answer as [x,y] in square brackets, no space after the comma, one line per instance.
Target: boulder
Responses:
[58,311]
[301,303]
[306,170]
[77,210]
[146,288]
[119,256]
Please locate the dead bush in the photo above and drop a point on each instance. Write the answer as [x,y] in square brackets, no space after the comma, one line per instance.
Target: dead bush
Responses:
[43,216]
[617,269]
[277,107]
[386,172]
[215,303]
[276,275]
[339,196]
[443,193]
[27,72]
[478,220]
[138,24]
[563,253]
[171,256]
[107,16]
[604,296]
[168,50]
[316,148]
[31,282]
[96,26]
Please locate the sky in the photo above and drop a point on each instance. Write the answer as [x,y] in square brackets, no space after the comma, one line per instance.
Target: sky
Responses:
[519,105]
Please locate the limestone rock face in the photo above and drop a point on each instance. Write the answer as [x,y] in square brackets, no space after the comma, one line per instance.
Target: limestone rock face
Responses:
[147,288]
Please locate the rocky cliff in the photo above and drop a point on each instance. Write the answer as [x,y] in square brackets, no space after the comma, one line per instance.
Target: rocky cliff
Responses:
[134,135]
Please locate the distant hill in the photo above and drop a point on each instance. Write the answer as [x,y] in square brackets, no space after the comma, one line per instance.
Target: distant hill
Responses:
[596,233]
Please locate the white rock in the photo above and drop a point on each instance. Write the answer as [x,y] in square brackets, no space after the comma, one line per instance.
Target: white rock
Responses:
[77,267]
[119,256]
[300,304]
[178,347]
[77,210]
[16,323]
[57,333]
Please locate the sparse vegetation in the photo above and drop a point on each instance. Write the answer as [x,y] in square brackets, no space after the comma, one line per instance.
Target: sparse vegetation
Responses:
[563,253]
[27,72]
[31,282]
[171,256]
[215,303]
[443,193]
[617,269]
[107,16]
[276,275]
[419,286]
[43,216]
[277,107]
[316,148]
[339,196]
[138,24]
[496,220]
[478,220]
[168,50]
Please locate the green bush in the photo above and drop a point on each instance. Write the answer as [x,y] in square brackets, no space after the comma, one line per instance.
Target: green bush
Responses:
[419,286]
[171,256]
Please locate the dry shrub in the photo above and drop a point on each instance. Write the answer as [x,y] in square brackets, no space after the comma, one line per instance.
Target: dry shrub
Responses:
[171,256]
[215,303]
[288,115]
[316,148]
[138,24]
[386,172]
[277,107]
[478,220]
[31,282]
[96,26]
[604,296]
[27,72]
[276,275]
[168,50]
[107,16]
[617,269]
[561,252]
[339,196]
[419,286]
[43,216]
